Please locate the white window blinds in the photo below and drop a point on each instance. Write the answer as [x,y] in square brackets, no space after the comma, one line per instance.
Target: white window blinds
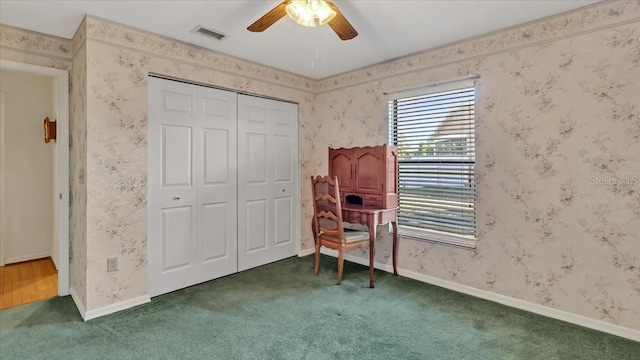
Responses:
[434,132]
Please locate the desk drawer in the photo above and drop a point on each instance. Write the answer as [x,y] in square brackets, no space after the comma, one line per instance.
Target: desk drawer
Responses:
[373,201]
[373,198]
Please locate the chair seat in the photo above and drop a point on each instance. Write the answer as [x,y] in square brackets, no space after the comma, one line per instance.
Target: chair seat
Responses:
[354,235]
[350,236]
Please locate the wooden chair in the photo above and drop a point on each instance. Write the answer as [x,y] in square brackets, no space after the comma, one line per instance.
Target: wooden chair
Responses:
[328,228]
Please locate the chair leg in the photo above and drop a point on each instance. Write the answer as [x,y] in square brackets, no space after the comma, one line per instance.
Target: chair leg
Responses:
[316,261]
[340,265]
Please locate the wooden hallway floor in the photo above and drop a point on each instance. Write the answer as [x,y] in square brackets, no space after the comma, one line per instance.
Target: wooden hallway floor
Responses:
[27,282]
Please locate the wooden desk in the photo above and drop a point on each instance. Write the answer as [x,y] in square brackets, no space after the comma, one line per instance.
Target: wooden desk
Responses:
[372,217]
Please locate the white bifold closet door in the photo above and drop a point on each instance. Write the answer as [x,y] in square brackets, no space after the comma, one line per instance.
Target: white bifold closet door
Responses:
[267,182]
[192,197]
[222,188]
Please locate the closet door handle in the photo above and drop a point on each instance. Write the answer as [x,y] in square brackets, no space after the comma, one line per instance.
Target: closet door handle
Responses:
[176,198]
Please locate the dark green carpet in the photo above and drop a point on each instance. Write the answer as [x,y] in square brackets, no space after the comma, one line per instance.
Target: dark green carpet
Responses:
[281,311]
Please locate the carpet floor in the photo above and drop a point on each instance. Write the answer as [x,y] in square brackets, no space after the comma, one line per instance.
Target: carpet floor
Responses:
[282,311]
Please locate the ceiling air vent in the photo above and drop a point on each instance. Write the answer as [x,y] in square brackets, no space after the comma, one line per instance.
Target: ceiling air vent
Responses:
[209,32]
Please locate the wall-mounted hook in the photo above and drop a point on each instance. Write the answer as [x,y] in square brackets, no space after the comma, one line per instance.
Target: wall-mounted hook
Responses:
[49,130]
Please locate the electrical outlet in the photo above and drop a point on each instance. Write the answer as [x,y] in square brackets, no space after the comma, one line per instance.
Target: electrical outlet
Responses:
[112,264]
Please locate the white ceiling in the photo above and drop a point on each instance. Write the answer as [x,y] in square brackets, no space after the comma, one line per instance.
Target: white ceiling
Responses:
[388,29]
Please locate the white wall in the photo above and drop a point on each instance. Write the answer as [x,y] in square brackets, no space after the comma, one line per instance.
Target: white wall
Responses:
[28,172]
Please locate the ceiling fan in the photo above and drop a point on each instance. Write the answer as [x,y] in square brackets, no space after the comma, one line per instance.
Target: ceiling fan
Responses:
[306,12]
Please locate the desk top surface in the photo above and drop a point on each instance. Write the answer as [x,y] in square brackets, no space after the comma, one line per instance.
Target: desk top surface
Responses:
[365,209]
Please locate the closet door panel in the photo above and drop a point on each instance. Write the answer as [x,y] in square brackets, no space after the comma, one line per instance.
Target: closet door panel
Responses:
[216,157]
[215,231]
[255,225]
[254,198]
[283,229]
[284,181]
[172,194]
[176,230]
[217,183]
[256,159]
[176,156]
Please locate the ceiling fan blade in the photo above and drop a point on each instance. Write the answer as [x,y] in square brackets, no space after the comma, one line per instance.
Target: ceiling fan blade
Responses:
[269,18]
[341,25]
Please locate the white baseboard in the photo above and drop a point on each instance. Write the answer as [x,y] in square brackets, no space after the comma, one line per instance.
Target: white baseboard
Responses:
[501,299]
[76,300]
[110,309]
[27,257]
[302,253]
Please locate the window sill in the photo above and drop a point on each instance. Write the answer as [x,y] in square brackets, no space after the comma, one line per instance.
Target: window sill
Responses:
[437,237]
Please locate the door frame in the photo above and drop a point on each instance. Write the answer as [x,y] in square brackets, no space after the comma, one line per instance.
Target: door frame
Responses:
[61,78]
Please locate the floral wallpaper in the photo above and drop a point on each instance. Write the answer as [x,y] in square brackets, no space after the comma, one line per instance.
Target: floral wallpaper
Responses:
[558,147]
[558,159]
[78,169]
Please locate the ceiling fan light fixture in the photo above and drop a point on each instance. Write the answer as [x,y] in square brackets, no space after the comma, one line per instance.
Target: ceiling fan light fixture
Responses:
[323,12]
[305,12]
[307,19]
[297,10]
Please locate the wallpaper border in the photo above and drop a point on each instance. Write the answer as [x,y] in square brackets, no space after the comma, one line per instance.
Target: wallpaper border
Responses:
[245,68]
[455,52]
[54,47]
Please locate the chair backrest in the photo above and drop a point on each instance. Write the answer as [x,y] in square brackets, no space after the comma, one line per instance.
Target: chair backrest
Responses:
[326,206]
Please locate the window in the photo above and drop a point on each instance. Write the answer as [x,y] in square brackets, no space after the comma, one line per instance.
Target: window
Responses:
[433,129]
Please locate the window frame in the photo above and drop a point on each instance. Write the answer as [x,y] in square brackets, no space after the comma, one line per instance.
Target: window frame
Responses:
[432,235]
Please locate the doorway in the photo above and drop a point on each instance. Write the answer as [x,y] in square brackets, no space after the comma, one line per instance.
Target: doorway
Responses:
[58,189]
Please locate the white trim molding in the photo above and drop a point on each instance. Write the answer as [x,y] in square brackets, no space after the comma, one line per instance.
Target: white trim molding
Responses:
[113,308]
[27,257]
[501,299]
[3,209]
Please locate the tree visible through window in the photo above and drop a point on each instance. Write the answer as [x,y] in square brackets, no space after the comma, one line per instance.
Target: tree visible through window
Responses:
[434,133]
